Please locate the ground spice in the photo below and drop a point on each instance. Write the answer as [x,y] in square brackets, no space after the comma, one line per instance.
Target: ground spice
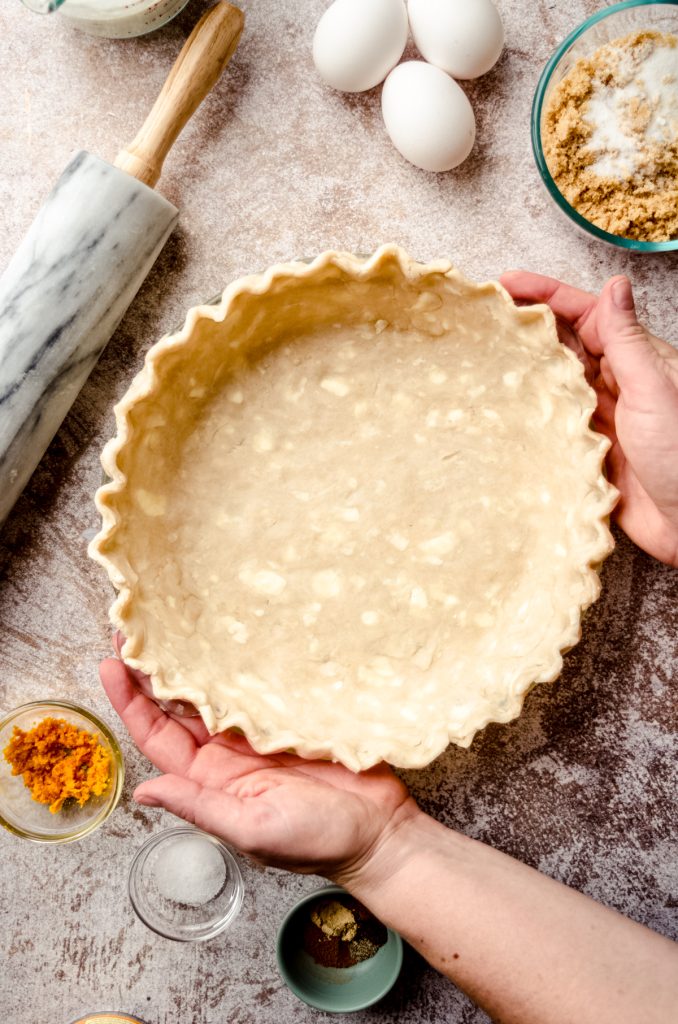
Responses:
[341,932]
[610,136]
[58,762]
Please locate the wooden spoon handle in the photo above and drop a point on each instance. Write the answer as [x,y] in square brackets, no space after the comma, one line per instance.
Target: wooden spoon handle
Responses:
[203,57]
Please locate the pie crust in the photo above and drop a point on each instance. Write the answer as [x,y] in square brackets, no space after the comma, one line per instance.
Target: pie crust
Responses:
[355,509]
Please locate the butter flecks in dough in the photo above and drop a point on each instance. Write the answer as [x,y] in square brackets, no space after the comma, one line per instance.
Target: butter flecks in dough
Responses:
[355,509]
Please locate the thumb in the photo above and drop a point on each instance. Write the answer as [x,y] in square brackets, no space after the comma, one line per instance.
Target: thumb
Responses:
[626,344]
[212,810]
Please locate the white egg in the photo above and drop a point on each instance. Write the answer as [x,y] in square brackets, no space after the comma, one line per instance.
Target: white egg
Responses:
[428,116]
[357,42]
[463,37]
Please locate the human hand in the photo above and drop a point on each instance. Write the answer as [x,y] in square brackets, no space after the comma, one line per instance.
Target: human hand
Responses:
[636,379]
[314,817]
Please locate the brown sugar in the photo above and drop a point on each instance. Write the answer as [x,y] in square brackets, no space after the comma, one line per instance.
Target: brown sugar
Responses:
[610,137]
[58,762]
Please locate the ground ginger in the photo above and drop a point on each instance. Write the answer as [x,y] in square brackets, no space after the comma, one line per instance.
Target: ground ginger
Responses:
[58,761]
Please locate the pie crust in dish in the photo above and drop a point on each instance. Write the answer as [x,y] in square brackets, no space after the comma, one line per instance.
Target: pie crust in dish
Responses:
[355,509]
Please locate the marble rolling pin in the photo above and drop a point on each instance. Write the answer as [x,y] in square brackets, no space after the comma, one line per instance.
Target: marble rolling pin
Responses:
[85,257]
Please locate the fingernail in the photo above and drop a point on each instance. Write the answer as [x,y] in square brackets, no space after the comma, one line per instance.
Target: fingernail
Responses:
[622,295]
[146,801]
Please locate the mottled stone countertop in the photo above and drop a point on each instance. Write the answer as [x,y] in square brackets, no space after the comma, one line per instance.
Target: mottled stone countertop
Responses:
[583,785]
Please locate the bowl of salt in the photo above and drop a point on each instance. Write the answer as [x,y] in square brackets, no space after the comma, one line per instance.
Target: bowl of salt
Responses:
[185,885]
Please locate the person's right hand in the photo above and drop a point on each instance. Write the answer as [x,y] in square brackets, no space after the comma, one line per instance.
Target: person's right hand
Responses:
[637,386]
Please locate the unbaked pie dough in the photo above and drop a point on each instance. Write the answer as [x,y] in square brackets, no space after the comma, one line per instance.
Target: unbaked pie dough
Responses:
[355,509]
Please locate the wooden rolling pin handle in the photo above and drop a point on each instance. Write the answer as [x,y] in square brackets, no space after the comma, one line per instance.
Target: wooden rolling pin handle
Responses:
[203,57]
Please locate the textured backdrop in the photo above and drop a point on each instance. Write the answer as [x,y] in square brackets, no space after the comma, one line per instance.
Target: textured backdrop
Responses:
[274,166]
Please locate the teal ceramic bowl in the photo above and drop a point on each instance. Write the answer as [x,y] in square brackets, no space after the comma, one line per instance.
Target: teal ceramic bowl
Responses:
[604,26]
[334,989]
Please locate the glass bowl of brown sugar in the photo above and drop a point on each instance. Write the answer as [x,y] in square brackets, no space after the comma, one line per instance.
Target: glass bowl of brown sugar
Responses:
[604,121]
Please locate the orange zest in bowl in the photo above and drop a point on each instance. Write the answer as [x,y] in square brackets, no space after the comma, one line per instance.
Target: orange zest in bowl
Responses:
[58,762]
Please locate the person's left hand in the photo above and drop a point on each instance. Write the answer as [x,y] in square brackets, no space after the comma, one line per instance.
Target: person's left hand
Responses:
[315,817]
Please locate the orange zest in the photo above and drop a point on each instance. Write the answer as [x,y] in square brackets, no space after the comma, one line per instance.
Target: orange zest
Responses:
[58,762]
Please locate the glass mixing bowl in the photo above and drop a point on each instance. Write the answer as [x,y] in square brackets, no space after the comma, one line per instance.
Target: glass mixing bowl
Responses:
[608,24]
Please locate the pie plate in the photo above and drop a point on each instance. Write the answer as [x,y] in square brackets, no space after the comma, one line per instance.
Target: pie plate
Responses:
[356,509]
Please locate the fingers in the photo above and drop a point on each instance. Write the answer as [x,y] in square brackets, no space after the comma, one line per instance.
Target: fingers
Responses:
[572,304]
[180,710]
[212,810]
[603,417]
[616,462]
[142,681]
[630,356]
[609,378]
[167,743]
[572,340]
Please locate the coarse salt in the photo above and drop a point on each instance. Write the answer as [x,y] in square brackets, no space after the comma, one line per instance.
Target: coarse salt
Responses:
[190,870]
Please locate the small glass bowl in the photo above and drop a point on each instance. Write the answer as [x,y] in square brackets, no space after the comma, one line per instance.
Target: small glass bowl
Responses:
[601,28]
[24,816]
[157,870]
